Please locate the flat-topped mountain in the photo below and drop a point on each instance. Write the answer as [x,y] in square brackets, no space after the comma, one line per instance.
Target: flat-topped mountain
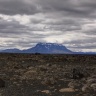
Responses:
[47,48]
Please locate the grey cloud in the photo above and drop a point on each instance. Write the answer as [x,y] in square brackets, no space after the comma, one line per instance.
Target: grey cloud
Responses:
[64,28]
[83,48]
[86,40]
[12,7]
[64,25]
[58,18]
[13,34]
[15,28]
[89,43]
[11,28]
[72,7]
[22,43]
[91,32]
[10,24]
[36,21]
[79,8]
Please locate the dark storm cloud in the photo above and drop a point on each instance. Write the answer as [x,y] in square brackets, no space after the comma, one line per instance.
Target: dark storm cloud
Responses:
[12,7]
[14,28]
[73,7]
[10,24]
[10,28]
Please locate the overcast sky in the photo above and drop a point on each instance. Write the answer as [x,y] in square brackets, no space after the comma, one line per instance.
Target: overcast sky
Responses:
[23,23]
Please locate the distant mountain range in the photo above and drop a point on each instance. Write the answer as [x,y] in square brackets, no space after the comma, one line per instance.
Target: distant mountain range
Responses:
[46,48]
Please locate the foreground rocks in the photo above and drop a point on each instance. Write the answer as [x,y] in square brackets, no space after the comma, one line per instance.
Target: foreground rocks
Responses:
[90,85]
[47,75]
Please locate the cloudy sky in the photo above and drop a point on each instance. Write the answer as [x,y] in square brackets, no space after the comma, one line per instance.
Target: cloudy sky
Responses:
[23,23]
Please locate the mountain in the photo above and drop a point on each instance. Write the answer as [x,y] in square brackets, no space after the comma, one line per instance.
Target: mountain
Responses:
[15,50]
[49,48]
[46,48]
[43,48]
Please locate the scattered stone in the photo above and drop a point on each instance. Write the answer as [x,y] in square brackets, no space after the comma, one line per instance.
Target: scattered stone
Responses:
[86,88]
[48,81]
[67,90]
[31,74]
[45,91]
[31,68]
[44,69]
[90,85]
[74,84]
[93,86]
[48,75]
[49,65]
[93,76]
[92,80]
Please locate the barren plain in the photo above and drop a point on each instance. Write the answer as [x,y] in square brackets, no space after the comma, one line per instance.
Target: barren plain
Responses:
[47,75]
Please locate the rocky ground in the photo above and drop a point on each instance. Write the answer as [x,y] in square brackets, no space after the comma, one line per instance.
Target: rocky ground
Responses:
[47,75]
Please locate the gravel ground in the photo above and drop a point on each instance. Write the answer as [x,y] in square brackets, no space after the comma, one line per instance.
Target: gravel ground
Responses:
[47,75]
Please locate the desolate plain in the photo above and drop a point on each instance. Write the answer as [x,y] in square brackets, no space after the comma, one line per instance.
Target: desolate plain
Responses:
[47,75]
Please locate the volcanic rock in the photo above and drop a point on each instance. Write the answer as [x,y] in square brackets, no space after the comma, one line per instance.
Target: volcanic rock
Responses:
[2,83]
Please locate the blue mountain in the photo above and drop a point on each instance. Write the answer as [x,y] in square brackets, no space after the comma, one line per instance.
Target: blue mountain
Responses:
[15,50]
[43,48]
[49,48]
[46,48]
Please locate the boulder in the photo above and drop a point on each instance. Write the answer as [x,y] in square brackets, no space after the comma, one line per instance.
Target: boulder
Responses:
[77,74]
[93,86]
[2,83]
[91,80]
[67,90]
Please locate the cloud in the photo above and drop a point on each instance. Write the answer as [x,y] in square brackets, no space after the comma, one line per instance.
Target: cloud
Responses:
[14,34]
[13,7]
[23,23]
[29,7]
[79,8]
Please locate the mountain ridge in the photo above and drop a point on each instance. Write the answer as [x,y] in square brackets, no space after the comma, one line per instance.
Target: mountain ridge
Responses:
[43,48]
[46,48]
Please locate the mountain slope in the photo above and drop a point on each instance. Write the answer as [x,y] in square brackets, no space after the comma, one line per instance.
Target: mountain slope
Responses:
[43,48]
[48,48]
[15,50]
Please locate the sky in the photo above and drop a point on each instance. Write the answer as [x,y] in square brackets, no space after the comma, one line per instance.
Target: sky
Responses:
[24,23]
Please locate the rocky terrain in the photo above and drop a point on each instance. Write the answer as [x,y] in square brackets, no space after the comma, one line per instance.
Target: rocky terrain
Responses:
[47,75]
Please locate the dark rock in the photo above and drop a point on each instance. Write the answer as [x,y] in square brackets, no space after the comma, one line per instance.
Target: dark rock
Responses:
[43,69]
[77,74]
[49,65]
[93,86]
[49,81]
[91,80]
[2,83]
[74,84]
